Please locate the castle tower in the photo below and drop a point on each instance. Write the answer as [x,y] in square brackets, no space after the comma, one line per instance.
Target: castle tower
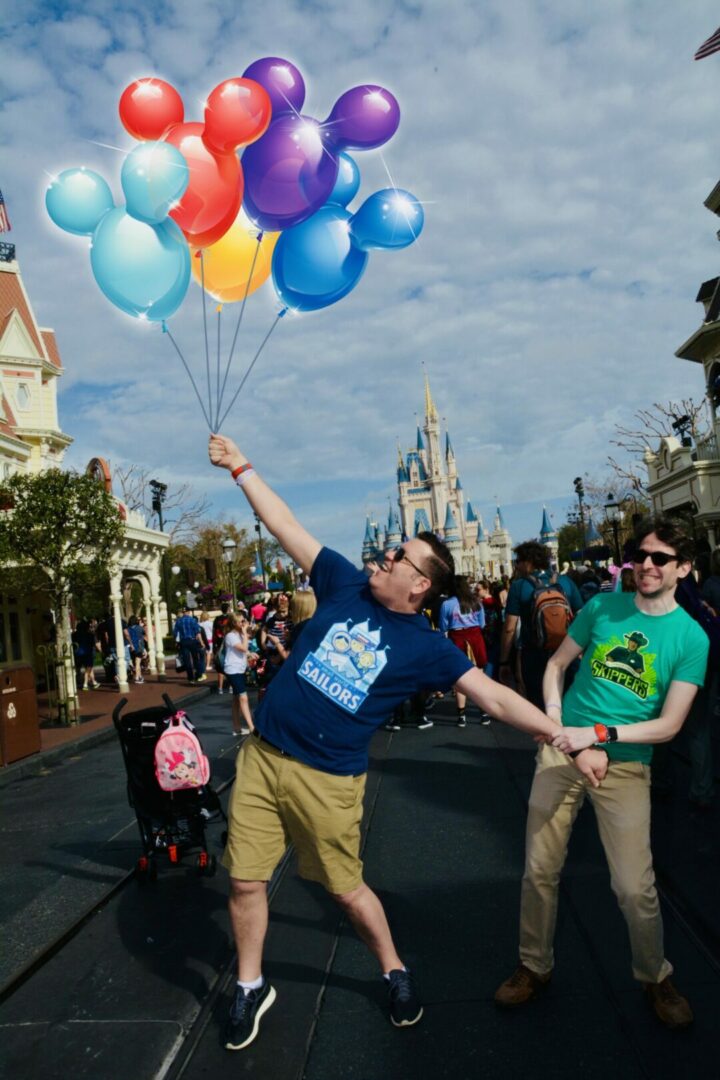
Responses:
[393,536]
[368,548]
[549,538]
[435,471]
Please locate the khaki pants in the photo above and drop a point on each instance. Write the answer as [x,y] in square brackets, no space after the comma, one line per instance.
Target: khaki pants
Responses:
[622,809]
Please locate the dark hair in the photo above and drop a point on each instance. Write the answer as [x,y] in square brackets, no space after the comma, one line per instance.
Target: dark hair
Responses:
[670,532]
[133,620]
[224,607]
[534,552]
[468,601]
[440,567]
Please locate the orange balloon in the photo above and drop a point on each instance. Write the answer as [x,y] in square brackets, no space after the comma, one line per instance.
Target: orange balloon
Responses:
[226,264]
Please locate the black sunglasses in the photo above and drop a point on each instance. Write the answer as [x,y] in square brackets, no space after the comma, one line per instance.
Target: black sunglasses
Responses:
[399,554]
[658,558]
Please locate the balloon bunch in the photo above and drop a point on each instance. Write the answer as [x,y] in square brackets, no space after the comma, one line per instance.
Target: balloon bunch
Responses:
[193,205]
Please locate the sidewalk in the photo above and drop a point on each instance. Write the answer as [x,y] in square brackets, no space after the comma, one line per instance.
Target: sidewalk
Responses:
[96,724]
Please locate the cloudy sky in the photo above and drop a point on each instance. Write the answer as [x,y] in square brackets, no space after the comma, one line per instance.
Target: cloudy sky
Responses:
[562,151]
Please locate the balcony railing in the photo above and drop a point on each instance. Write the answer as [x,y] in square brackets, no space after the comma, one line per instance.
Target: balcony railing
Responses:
[707,448]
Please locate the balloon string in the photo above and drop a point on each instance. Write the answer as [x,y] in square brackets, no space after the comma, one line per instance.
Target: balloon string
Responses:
[251,366]
[207,345]
[189,373]
[217,365]
[237,328]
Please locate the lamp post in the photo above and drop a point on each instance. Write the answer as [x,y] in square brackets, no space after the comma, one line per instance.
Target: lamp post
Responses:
[159,494]
[258,530]
[580,492]
[612,513]
[229,547]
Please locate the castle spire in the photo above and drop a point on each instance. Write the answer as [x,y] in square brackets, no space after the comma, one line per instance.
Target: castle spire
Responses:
[430,410]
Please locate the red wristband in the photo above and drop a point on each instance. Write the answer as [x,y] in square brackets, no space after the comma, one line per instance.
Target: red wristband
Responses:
[602,733]
[240,469]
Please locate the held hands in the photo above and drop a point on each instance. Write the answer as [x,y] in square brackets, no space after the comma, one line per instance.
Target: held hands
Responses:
[224,453]
[574,738]
[593,764]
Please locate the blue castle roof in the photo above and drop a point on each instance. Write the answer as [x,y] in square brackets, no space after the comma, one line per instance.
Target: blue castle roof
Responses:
[420,441]
[471,515]
[592,536]
[450,526]
[501,521]
[449,452]
[546,529]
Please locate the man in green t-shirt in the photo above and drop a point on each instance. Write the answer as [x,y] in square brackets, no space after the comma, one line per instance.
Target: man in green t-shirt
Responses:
[643,659]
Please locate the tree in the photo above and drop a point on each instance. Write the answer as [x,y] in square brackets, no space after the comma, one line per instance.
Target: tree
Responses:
[183,511]
[58,531]
[655,423]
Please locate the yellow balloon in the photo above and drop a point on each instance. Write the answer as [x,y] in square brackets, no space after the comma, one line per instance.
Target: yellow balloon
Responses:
[226,264]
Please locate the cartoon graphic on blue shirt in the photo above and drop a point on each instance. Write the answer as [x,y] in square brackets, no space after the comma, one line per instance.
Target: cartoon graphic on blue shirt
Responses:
[345,664]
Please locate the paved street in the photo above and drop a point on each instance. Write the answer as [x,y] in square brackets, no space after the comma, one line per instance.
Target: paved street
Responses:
[444,842]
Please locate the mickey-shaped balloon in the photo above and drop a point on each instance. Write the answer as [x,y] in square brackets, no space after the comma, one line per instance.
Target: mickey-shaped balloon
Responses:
[319,261]
[291,171]
[236,112]
[138,256]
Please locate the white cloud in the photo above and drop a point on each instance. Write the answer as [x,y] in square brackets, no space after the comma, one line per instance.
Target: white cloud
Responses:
[562,153]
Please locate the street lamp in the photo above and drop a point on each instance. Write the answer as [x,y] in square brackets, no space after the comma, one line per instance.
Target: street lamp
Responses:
[159,494]
[580,492]
[228,553]
[258,530]
[613,514]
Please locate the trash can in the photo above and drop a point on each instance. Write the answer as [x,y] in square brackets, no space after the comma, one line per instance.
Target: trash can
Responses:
[19,727]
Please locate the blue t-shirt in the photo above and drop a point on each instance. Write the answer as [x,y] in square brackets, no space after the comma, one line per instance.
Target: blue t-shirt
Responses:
[519,601]
[353,662]
[452,618]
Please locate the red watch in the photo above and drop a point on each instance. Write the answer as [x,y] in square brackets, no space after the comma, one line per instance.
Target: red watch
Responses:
[601,732]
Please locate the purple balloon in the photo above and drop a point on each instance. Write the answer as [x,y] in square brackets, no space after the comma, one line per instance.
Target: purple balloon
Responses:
[282,80]
[289,172]
[362,118]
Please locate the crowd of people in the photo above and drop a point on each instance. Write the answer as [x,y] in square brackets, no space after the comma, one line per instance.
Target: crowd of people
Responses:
[94,639]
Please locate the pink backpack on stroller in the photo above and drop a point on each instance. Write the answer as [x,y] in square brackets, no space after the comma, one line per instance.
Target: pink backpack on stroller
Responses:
[179,759]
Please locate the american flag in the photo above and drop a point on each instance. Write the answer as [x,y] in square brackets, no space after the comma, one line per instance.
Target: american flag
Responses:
[710,46]
[4,219]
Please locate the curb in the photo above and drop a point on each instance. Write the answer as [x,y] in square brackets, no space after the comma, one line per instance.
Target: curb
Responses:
[37,762]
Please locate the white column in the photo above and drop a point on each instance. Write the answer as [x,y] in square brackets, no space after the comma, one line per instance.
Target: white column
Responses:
[145,586]
[116,600]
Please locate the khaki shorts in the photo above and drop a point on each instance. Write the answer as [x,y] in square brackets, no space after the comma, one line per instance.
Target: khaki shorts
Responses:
[276,801]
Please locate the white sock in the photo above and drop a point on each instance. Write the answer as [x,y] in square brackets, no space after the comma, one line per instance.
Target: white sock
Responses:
[254,985]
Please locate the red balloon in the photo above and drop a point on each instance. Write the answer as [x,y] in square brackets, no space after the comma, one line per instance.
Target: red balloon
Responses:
[148,107]
[237,112]
[215,188]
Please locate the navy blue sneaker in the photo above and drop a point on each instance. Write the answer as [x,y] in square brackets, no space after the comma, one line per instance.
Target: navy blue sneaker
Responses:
[405,1007]
[246,1012]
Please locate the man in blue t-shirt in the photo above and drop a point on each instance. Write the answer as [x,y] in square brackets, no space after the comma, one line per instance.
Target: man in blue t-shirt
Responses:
[301,775]
[532,563]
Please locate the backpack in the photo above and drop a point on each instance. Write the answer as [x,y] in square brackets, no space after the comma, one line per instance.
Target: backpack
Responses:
[550,615]
[179,760]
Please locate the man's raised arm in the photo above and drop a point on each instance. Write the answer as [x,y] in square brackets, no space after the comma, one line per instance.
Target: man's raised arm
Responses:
[275,514]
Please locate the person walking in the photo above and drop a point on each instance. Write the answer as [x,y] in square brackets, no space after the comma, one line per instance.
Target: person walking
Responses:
[237,644]
[532,563]
[643,659]
[462,618]
[301,777]
[190,643]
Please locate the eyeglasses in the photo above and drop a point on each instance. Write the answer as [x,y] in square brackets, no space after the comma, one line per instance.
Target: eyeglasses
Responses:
[658,558]
[399,554]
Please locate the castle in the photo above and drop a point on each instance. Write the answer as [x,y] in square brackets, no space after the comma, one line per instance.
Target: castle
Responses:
[431,499]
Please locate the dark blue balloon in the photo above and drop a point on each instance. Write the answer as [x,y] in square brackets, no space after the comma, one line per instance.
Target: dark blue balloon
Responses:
[316,263]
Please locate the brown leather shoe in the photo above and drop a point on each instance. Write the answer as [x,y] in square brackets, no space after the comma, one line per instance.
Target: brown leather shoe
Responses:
[670,1007]
[522,986]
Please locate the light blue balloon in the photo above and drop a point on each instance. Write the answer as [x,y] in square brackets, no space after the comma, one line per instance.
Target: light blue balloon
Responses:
[143,269]
[347,183]
[316,263]
[153,176]
[77,200]
[390,218]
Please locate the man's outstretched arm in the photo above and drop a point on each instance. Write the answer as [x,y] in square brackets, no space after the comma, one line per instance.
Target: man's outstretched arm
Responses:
[275,514]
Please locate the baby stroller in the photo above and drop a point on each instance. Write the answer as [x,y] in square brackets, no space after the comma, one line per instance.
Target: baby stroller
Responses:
[172,823]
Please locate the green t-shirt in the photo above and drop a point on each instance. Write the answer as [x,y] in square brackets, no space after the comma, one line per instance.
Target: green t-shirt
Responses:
[629,660]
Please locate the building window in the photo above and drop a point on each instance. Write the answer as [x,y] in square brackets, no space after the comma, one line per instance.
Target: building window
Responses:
[23,397]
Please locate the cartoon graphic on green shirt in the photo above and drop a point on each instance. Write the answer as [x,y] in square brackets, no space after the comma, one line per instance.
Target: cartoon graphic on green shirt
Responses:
[629,657]
[624,665]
